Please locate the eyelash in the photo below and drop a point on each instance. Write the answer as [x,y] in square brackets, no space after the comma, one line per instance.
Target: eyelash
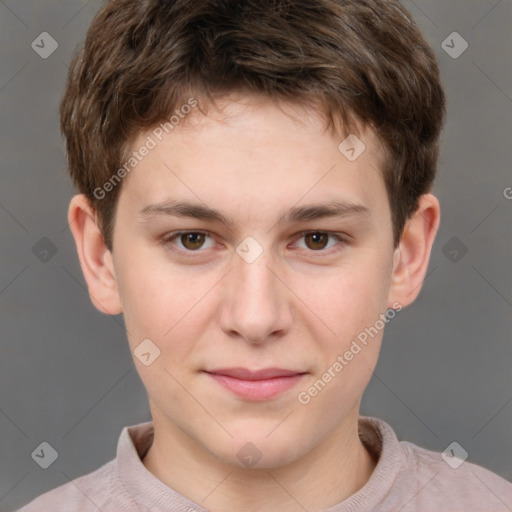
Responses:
[166,241]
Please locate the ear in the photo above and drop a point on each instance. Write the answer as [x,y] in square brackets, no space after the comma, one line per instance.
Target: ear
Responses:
[411,257]
[95,258]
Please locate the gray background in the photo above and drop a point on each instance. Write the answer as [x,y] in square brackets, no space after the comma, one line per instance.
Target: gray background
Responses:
[66,374]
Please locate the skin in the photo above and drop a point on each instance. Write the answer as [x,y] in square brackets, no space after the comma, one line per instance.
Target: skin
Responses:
[298,306]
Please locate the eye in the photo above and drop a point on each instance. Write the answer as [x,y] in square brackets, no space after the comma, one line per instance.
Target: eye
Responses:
[190,241]
[193,241]
[317,241]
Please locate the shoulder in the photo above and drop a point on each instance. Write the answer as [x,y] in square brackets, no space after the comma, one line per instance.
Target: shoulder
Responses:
[108,487]
[452,479]
[411,478]
[98,490]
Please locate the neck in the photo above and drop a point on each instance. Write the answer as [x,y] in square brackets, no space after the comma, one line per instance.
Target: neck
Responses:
[332,472]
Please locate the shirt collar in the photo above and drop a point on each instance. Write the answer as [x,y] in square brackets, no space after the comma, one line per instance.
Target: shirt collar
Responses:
[146,489]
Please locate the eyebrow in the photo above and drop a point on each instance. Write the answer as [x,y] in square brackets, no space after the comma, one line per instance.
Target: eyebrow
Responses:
[296,214]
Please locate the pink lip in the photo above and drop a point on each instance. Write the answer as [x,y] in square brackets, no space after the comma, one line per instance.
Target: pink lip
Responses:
[256,385]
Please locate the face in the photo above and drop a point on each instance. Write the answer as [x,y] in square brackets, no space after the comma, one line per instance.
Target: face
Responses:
[251,295]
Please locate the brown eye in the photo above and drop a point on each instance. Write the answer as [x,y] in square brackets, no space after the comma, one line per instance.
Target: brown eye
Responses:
[192,240]
[187,242]
[324,243]
[316,241]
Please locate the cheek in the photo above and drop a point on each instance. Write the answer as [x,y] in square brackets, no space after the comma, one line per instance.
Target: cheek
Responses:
[347,300]
[149,298]
[351,308]
[160,305]
[350,302]
[163,303]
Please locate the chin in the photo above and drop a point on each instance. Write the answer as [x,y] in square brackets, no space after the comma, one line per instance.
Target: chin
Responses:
[254,448]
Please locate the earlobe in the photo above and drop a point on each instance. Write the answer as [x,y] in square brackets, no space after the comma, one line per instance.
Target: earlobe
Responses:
[412,256]
[95,258]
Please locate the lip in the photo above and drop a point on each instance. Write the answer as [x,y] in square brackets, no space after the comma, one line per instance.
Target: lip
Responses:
[256,385]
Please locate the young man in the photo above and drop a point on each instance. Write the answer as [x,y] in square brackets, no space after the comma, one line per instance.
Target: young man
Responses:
[254,182]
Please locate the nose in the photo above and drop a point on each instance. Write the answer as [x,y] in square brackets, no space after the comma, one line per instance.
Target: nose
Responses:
[257,305]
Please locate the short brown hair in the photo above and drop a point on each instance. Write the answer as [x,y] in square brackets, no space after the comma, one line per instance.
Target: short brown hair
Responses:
[359,59]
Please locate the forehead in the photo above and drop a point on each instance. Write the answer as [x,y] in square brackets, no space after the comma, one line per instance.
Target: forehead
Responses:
[253,151]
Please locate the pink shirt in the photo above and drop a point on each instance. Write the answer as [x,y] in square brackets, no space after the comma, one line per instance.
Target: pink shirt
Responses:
[407,478]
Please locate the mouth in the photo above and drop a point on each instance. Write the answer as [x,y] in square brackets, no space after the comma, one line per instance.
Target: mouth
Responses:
[256,385]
